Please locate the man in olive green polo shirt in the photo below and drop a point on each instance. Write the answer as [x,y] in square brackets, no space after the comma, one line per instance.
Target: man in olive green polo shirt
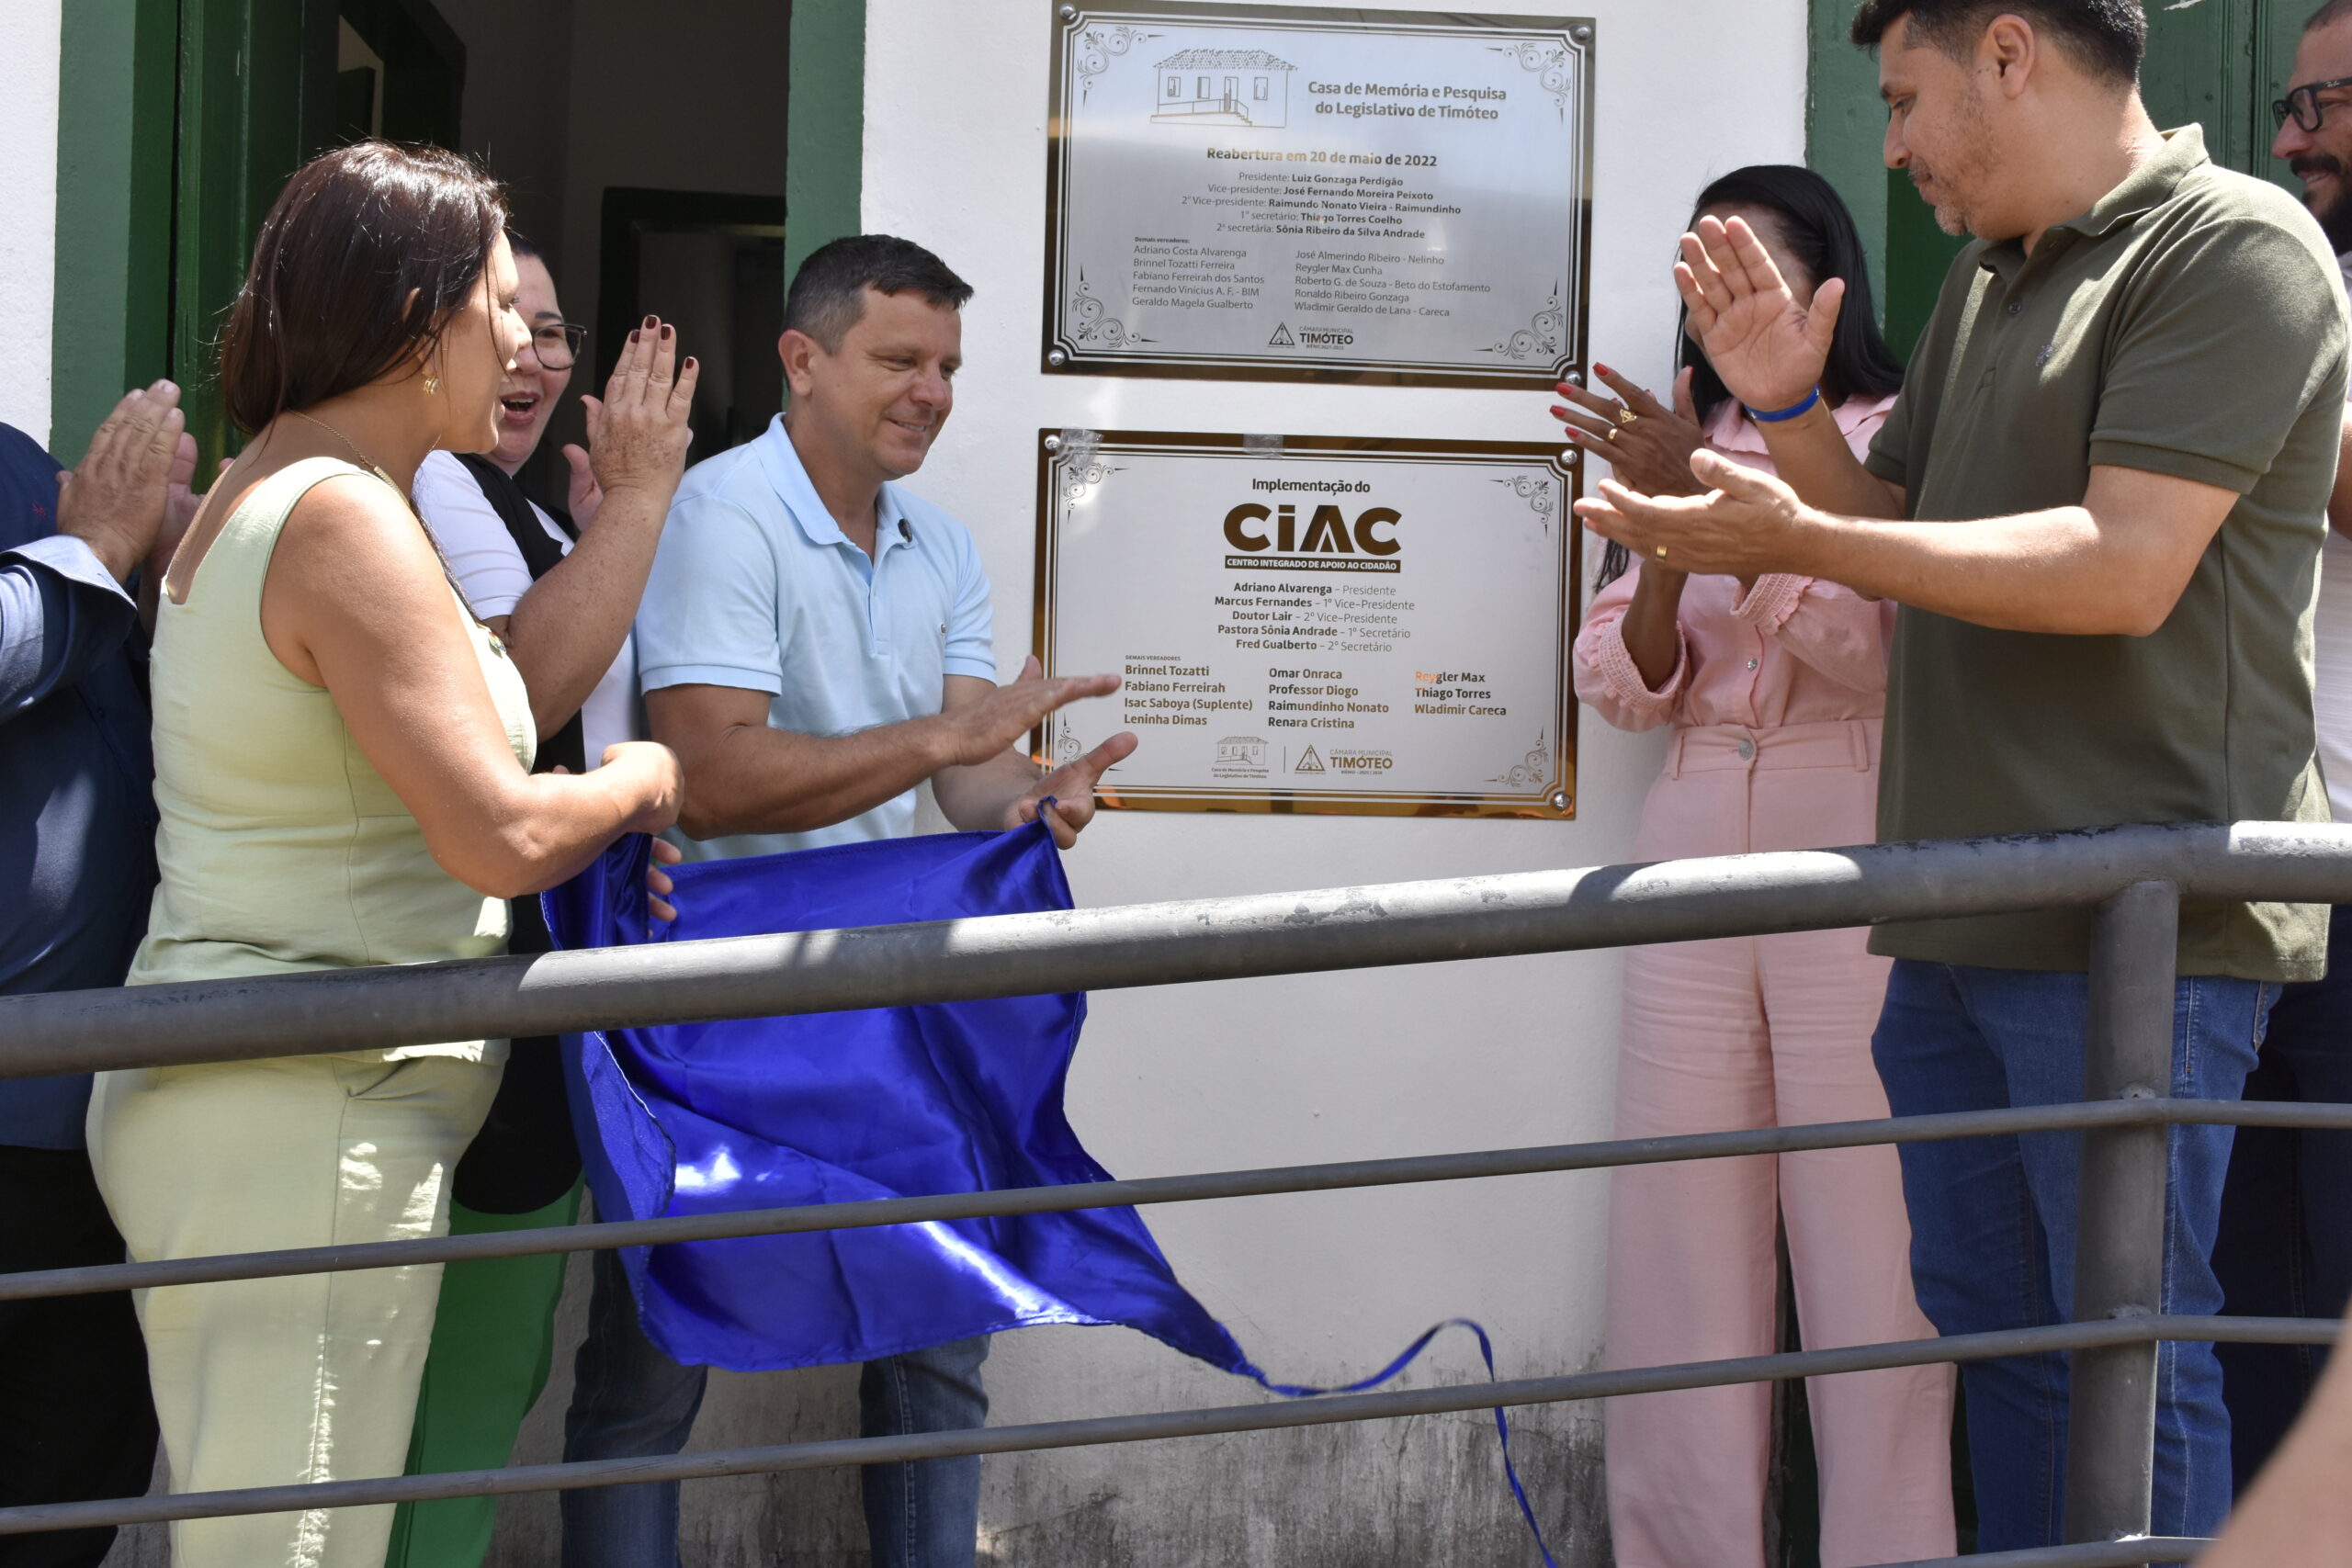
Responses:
[2099,502]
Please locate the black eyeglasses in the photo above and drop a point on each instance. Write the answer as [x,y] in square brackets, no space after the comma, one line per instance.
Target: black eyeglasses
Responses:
[556,345]
[2304,103]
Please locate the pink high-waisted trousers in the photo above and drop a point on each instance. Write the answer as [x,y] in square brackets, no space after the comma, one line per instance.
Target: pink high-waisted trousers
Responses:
[1758,1031]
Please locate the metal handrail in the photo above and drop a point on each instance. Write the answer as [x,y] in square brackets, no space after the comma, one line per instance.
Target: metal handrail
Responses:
[1157,944]
[1323,1410]
[2131,882]
[999,1202]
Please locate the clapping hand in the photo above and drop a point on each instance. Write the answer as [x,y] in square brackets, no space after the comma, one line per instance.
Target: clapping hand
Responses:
[1647,444]
[637,433]
[1744,526]
[115,500]
[1769,349]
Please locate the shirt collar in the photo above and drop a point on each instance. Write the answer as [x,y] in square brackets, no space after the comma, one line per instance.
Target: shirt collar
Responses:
[781,462]
[2146,189]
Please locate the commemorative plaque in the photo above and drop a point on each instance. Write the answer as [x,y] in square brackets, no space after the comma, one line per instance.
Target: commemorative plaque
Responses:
[1264,192]
[1314,624]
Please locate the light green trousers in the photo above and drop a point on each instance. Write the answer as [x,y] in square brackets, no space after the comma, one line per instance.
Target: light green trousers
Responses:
[308,1377]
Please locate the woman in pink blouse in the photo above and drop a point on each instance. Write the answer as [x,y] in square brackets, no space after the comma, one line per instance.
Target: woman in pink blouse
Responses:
[1774,690]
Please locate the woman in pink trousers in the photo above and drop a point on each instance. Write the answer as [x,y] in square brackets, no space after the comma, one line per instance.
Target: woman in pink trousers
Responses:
[1774,690]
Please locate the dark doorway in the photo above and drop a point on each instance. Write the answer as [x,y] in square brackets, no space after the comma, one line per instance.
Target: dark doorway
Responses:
[714,264]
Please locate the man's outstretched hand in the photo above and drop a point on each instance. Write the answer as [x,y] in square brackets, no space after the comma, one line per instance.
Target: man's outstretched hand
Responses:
[1748,523]
[1072,788]
[1001,719]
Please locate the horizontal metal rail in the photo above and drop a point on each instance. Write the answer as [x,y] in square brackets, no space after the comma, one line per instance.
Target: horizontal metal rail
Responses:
[869,1212]
[2115,870]
[1158,944]
[1317,1412]
[2129,1553]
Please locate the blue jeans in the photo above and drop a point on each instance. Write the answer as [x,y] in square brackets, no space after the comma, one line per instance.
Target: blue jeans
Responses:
[629,1400]
[1992,1221]
[2286,1250]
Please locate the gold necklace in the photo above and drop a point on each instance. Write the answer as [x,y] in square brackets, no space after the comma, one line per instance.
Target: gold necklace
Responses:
[352,446]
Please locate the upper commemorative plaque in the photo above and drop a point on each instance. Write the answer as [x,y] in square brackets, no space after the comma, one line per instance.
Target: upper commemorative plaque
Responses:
[1275,192]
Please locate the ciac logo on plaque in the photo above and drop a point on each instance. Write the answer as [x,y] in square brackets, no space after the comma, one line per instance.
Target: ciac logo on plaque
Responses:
[1280,193]
[1315,623]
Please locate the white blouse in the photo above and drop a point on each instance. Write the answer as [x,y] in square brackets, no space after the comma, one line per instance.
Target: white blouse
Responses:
[490,573]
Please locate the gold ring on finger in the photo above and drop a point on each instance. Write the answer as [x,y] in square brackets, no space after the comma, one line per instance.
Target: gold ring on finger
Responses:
[1625,416]
[1661,552]
[1612,437]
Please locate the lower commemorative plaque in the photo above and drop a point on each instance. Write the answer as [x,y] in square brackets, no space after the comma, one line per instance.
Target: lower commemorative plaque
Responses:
[1312,623]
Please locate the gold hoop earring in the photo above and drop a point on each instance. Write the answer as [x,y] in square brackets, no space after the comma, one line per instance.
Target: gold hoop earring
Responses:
[432,386]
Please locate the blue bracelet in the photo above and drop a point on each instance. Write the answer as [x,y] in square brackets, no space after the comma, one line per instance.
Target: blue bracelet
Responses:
[1777,415]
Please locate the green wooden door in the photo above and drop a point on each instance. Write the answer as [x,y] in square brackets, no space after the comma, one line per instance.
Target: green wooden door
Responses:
[179,122]
[256,99]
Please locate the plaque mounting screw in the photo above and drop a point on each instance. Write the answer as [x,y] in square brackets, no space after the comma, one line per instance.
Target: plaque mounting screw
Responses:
[1559,800]
[1575,377]
[1069,13]
[1581,32]
[1056,356]
[1053,443]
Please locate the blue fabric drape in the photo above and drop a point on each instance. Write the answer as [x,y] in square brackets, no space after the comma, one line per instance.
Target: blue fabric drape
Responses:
[759,1113]
[953,1097]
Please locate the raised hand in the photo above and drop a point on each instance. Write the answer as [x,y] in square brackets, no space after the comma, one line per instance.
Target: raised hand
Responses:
[585,495]
[986,727]
[115,502]
[636,432]
[1651,452]
[1748,523]
[1071,789]
[182,502]
[1769,349]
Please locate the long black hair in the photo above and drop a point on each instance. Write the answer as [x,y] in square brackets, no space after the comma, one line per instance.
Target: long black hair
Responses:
[1818,232]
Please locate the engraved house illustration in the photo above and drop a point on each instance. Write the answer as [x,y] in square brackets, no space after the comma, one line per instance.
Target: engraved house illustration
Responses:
[1223,86]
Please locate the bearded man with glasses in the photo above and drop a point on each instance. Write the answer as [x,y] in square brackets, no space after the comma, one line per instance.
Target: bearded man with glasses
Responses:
[2283,1247]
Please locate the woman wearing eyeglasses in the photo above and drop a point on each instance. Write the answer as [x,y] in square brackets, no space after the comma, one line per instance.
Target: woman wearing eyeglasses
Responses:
[560,586]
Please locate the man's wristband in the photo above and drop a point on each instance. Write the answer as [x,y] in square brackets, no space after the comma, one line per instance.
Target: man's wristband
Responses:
[1777,415]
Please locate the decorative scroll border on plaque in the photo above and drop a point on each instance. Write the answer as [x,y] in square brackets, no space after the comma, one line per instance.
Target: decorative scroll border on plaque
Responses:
[1083,337]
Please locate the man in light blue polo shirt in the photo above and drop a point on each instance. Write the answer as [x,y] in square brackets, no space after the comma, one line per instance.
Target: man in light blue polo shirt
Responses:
[815,643]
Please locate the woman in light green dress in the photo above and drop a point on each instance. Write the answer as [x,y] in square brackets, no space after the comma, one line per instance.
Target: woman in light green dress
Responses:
[342,759]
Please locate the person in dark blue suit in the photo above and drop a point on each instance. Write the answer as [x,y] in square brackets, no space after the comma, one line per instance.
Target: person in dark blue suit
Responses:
[78,866]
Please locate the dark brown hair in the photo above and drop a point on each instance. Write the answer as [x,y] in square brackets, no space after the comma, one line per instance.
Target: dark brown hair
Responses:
[325,307]
[828,294]
[2106,37]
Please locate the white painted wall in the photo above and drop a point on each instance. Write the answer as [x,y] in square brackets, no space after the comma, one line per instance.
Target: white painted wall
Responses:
[1320,1288]
[28,42]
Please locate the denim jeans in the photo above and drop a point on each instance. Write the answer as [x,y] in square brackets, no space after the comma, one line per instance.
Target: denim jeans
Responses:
[2286,1249]
[1992,1221]
[629,1400]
